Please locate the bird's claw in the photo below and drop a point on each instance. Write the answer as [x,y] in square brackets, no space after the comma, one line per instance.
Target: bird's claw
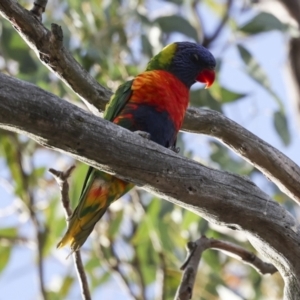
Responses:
[143,134]
[175,149]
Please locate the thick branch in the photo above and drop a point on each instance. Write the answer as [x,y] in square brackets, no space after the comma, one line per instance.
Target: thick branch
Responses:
[271,162]
[219,197]
[48,46]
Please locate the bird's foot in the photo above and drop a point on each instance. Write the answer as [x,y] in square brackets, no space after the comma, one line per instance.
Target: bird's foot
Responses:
[143,134]
[175,149]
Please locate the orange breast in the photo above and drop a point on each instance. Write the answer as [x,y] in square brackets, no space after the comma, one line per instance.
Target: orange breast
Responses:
[164,91]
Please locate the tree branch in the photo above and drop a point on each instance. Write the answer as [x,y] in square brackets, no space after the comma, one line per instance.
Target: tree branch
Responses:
[116,271]
[293,8]
[195,250]
[246,256]
[271,162]
[48,47]
[219,197]
[208,40]
[39,7]
[62,180]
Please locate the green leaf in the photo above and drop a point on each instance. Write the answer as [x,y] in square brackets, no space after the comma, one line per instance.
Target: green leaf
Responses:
[15,48]
[170,24]
[221,155]
[115,224]
[224,95]
[56,225]
[66,286]
[178,2]
[261,23]
[256,72]
[5,252]
[188,219]
[146,46]
[8,231]
[230,96]
[204,98]
[281,126]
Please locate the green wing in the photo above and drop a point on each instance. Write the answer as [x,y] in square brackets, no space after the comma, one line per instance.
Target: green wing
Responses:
[118,101]
[99,189]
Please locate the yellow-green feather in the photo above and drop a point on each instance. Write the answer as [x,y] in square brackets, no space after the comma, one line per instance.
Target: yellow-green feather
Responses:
[118,101]
[163,59]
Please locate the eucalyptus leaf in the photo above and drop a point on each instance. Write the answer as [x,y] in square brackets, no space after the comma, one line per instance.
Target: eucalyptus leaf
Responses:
[175,23]
[5,252]
[203,98]
[281,126]
[256,72]
[223,95]
[261,23]
[178,2]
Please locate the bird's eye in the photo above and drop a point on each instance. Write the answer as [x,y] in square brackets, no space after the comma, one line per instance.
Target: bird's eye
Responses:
[195,57]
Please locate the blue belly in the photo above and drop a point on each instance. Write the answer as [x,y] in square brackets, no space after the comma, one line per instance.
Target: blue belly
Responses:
[146,118]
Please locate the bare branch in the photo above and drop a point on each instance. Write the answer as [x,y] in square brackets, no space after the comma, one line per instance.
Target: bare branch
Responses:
[195,250]
[271,162]
[16,240]
[28,198]
[161,275]
[219,197]
[208,40]
[246,256]
[62,180]
[39,7]
[116,271]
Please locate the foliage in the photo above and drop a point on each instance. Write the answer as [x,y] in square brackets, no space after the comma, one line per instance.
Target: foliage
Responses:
[140,243]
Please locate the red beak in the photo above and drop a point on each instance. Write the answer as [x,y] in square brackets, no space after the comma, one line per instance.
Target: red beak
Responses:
[206,76]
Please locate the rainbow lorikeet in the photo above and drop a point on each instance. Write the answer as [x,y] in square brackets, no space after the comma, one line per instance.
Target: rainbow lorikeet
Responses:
[153,103]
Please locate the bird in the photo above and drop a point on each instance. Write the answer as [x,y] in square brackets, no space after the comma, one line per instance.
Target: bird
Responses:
[152,104]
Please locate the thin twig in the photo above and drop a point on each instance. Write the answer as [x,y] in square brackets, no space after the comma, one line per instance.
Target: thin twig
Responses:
[15,240]
[61,178]
[161,275]
[30,202]
[39,7]
[116,271]
[208,40]
[136,264]
[195,250]
[246,256]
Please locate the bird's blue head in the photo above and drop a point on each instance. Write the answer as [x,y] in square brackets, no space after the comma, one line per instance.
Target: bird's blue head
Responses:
[189,62]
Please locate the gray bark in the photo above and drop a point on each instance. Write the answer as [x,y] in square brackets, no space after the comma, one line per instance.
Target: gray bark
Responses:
[220,197]
[48,46]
